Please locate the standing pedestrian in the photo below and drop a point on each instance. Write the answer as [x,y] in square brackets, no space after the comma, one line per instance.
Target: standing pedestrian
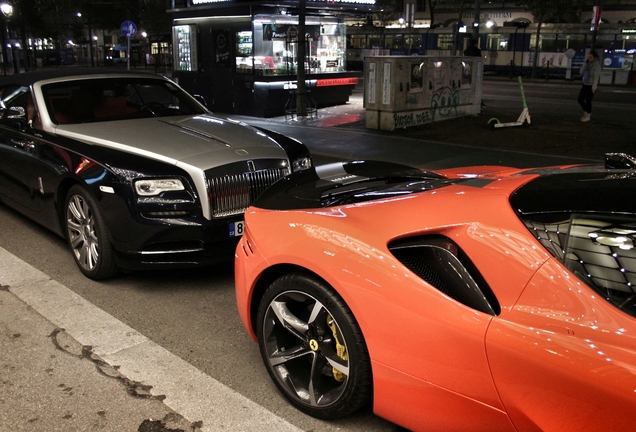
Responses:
[472,50]
[591,73]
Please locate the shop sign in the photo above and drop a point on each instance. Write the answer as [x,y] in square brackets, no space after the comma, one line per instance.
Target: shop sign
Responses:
[198,2]
[489,15]
[328,82]
[367,2]
[160,38]
[285,31]
[352,2]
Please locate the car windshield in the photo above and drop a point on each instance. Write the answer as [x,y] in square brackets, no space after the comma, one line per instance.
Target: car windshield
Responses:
[108,99]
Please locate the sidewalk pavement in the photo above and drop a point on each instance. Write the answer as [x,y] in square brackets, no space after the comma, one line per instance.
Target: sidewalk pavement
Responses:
[51,382]
[66,365]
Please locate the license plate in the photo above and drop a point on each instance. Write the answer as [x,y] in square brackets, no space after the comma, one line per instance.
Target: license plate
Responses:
[237,228]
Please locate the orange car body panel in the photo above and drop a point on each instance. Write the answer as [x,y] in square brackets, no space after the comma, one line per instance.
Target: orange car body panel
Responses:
[431,355]
[562,351]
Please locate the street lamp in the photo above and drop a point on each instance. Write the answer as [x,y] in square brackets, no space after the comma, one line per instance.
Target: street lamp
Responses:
[90,42]
[96,50]
[7,11]
[147,49]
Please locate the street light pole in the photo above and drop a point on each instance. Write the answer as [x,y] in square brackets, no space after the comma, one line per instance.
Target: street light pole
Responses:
[476,20]
[6,10]
[90,37]
[94,39]
[90,40]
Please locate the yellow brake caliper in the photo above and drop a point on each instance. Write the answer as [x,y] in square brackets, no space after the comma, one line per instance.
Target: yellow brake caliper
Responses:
[341,350]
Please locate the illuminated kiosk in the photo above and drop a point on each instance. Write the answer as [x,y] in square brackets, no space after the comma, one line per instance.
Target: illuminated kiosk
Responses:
[242,56]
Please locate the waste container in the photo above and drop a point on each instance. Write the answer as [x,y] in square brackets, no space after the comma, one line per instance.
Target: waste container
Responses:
[403,91]
[621,76]
[607,76]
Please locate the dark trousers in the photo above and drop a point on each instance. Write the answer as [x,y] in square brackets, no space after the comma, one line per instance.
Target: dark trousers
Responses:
[585,98]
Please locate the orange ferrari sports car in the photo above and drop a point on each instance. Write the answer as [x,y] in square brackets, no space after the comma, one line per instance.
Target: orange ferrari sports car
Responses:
[474,299]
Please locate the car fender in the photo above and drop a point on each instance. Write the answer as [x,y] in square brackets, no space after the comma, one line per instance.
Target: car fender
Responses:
[375,286]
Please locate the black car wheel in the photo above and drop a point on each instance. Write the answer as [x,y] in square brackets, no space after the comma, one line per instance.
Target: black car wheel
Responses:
[313,347]
[87,236]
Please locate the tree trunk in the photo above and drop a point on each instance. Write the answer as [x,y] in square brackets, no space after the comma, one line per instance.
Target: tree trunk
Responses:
[458,38]
[536,47]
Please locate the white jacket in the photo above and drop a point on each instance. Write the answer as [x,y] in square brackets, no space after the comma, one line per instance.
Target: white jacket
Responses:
[591,73]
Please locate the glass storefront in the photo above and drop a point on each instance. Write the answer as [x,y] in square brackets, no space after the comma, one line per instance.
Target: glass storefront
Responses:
[272,47]
[184,37]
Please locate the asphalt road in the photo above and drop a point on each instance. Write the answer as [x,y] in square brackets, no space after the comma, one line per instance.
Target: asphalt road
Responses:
[192,313]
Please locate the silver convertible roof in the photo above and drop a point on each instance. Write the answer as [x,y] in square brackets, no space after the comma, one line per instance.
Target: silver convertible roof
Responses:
[29,78]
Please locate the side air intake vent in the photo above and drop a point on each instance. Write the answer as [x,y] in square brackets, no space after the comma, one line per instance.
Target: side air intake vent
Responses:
[439,261]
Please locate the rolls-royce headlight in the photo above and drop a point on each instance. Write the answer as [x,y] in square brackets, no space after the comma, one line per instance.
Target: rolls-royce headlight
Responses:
[152,187]
[301,164]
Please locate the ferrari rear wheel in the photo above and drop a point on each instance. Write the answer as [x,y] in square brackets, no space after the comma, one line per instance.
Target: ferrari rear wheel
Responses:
[313,347]
[87,236]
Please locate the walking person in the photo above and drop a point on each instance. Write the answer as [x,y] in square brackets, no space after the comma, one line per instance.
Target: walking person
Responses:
[591,73]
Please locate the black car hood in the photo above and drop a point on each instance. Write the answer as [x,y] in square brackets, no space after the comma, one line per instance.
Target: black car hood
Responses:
[345,183]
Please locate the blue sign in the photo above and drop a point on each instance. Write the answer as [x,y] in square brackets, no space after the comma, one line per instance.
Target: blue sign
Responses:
[128,28]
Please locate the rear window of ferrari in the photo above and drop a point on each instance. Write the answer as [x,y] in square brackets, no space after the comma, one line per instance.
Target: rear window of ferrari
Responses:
[599,248]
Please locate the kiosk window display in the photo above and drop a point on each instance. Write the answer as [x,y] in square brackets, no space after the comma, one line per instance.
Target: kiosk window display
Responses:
[272,47]
[186,52]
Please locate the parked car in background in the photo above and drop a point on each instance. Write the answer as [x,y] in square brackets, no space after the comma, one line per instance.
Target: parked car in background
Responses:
[479,298]
[132,170]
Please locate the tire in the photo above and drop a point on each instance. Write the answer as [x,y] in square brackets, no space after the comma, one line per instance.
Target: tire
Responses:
[327,371]
[87,235]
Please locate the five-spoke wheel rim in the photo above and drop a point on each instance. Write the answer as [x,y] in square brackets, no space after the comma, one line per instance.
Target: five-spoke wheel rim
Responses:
[305,349]
[82,232]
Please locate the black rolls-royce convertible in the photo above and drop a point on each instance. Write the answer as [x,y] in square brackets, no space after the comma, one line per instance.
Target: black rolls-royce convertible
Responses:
[131,169]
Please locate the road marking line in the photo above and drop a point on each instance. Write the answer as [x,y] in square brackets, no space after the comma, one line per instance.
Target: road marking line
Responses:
[189,392]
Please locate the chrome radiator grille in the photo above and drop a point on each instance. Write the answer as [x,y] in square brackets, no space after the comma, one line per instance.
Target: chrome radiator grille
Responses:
[233,194]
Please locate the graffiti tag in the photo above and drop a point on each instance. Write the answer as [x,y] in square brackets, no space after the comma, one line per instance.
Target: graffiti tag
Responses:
[444,102]
[412,119]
